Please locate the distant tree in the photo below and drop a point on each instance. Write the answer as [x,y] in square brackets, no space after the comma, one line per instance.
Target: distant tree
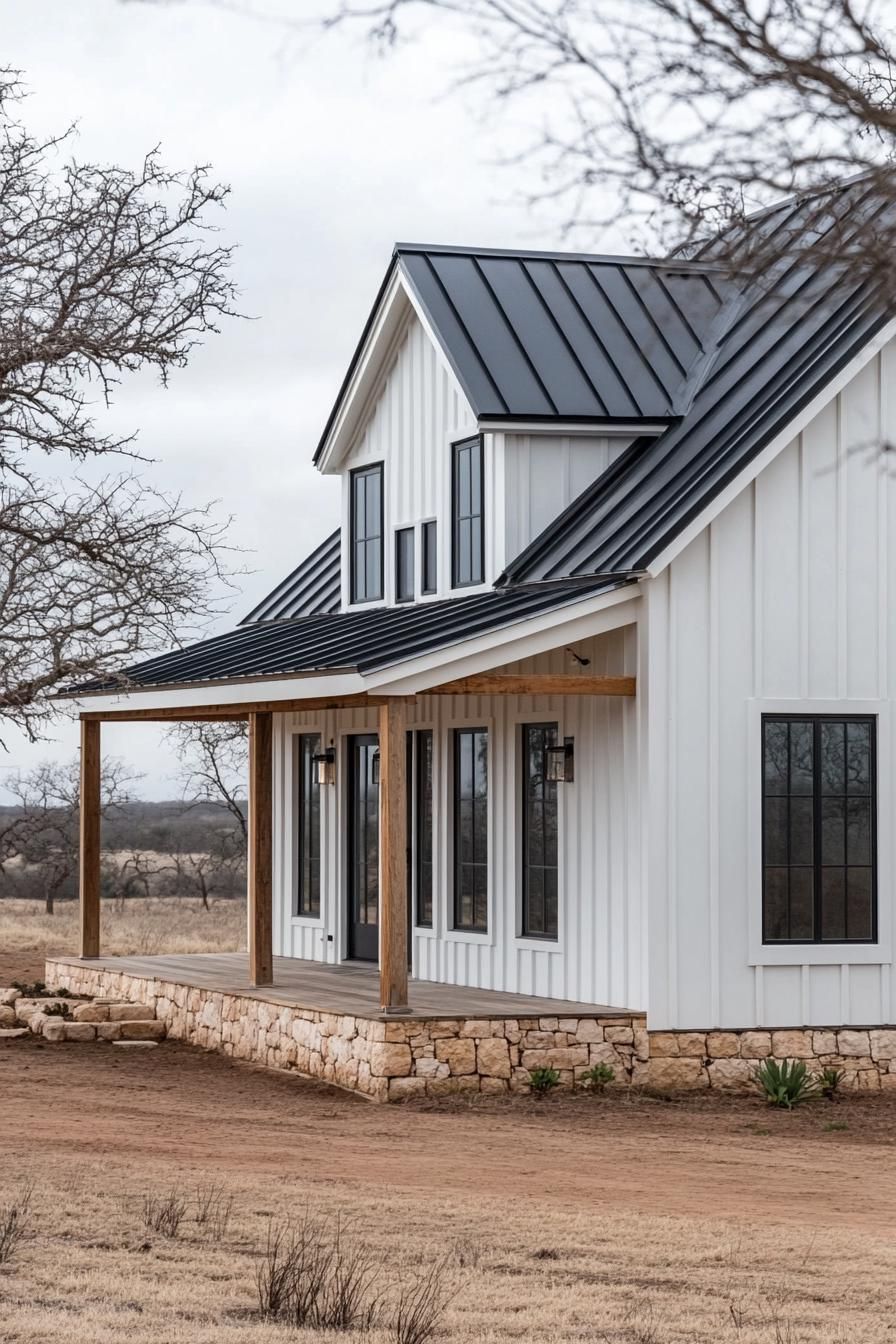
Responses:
[103,271]
[214,763]
[43,834]
[217,870]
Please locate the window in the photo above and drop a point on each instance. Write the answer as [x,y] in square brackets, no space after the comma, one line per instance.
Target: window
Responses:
[423,828]
[308,895]
[367,534]
[467,554]
[430,560]
[819,880]
[471,829]
[404,564]
[539,833]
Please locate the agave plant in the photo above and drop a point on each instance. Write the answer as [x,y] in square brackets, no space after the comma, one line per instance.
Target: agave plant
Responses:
[785,1082]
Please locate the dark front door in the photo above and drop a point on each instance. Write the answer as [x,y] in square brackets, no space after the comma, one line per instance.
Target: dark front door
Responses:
[363,850]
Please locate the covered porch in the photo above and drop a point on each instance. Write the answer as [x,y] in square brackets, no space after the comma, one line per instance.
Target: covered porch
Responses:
[326,1022]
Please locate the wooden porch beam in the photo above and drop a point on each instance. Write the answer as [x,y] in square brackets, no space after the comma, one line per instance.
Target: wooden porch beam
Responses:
[89,840]
[231,713]
[393,858]
[534,683]
[260,867]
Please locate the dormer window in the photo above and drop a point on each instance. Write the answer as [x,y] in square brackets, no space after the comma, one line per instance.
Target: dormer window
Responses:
[468,548]
[404,564]
[367,533]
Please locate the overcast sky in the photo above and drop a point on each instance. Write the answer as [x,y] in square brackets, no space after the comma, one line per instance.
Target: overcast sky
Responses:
[332,155]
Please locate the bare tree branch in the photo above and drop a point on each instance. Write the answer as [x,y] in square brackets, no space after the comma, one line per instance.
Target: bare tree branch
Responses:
[103,271]
[214,764]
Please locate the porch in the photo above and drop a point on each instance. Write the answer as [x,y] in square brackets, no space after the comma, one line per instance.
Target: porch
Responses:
[327,1022]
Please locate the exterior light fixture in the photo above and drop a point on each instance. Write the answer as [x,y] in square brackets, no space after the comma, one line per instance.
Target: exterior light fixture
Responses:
[560,762]
[375,767]
[326,765]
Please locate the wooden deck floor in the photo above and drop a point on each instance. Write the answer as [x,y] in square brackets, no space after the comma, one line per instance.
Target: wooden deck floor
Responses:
[347,989]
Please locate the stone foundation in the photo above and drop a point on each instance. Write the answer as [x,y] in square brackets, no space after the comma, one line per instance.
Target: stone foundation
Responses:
[727,1059]
[383,1060]
[433,1057]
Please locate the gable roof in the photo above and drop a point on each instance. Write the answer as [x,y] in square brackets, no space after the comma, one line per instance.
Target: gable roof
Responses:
[773,351]
[552,335]
[556,335]
[362,640]
[313,587]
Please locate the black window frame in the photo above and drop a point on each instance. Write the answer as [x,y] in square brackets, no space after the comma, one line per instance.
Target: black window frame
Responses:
[526,929]
[429,582]
[405,594]
[457,518]
[307,905]
[817,720]
[371,469]
[458,860]
[423,843]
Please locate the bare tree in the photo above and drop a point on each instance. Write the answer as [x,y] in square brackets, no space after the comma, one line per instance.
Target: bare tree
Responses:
[690,113]
[44,832]
[214,762]
[103,271]
[217,870]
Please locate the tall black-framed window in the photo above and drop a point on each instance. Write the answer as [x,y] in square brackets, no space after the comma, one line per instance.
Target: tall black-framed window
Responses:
[819,847]
[308,799]
[423,828]
[540,864]
[404,564]
[471,829]
[468,537]
[367,533]
[430,576]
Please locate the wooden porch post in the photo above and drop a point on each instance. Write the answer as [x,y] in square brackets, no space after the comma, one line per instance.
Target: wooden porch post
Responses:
[261,952]
[89,840]
[393,858]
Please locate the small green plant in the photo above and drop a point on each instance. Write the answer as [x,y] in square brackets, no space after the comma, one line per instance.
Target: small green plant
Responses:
[830,1082]
[596,1078]
[543,1080]
[57,1010]
[785,1082]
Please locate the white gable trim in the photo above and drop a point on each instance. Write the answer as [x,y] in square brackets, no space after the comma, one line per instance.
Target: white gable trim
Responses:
[390,321]
[771,451]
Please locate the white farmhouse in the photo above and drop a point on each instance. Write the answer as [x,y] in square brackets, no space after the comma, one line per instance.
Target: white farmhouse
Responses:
[584,712]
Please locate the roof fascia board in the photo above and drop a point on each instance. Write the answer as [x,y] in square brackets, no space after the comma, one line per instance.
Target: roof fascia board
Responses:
[771,450]
[222,692]
[522,639]
[385,327]
[606,429]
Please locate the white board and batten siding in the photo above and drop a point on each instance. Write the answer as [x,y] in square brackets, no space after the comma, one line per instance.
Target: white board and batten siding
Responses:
[785,603]
[543,473]
[598,957]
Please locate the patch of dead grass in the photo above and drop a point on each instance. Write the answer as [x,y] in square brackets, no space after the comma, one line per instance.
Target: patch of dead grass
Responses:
[91,1272]
[140,927]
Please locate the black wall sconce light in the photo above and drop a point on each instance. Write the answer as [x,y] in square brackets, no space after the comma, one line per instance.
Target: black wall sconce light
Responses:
[326,765]
[375,767]
[560,765]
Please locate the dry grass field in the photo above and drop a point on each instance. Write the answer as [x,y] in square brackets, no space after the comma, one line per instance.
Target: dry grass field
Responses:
[601,1219]
[157,924]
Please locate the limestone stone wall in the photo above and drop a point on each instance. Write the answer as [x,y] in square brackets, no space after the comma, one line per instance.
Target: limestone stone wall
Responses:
[727,1059]
[384,1060]
[391,1060]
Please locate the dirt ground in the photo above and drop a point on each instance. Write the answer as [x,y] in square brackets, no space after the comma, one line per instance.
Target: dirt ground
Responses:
[624,1221]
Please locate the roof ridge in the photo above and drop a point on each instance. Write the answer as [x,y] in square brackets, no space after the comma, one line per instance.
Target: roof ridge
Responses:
[670,263]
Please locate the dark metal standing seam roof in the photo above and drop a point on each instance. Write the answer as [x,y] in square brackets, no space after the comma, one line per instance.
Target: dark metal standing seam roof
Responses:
[313,587]
[543,335]
[774,350]
[559,335]
[361,640]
